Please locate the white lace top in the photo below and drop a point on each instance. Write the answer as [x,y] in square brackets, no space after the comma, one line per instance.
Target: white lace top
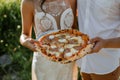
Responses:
[57,15]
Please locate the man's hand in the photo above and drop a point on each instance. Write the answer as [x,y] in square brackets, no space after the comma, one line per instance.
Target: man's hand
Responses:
[99,43]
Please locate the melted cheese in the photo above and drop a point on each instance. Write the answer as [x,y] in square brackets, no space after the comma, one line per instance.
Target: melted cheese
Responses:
[68,36]
[51,37]
[53,46]
[71,45]
[57,54]
[62,40]
[73,51]
[68,54]
[79,38]
[61,49]
[57,35]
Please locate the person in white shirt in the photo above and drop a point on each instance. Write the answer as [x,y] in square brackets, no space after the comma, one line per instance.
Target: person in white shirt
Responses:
[100,19]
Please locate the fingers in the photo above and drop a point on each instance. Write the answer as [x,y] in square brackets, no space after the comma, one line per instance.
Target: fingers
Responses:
[98,44]
[31,46]
[94,40]
[30,43]
[33,41]
[96,48]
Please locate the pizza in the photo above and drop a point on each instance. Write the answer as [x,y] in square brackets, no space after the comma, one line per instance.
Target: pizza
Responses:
[64,46]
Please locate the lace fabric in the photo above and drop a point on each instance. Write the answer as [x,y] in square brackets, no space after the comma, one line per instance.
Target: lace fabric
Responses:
[57,15]
[54,8]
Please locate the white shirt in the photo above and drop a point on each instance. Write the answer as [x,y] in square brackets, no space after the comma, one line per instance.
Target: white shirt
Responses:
[100,18]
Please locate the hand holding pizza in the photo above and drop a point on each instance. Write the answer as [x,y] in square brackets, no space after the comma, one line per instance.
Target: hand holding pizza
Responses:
[99,43]
[28,42]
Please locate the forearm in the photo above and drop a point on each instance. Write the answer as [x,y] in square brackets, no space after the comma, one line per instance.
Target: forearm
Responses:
[112,43]
[74,8]
[105,43]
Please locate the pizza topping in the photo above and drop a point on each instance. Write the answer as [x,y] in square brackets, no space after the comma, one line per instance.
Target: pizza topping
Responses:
[68,36]
[80,41]
[54,39]
[51,37]
[68,54]
[61,36]
[61,50]
[57,54]
[54,49]
[67,50]
[45,42]
[73,41]
[74,51]
[71,45]
[53,46]
[62,40]
[57,35]
[77,47]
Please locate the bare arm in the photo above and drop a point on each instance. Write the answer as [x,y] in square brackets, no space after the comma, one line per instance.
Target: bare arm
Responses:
[74,8]
[113,43]
[105,43]
[27,11]
[27,17]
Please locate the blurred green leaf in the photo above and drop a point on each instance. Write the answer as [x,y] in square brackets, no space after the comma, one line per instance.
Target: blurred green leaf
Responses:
[10,30]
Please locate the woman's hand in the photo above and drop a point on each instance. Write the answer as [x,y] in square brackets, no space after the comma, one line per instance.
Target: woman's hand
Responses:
[99,43]
[28,42]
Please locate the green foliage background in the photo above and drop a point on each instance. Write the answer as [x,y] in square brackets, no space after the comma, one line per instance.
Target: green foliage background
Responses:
[17,66]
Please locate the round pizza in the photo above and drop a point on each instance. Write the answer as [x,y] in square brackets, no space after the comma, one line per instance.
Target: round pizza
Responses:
[64,46]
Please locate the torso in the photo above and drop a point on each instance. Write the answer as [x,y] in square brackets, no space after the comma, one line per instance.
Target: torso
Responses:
[100,18]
